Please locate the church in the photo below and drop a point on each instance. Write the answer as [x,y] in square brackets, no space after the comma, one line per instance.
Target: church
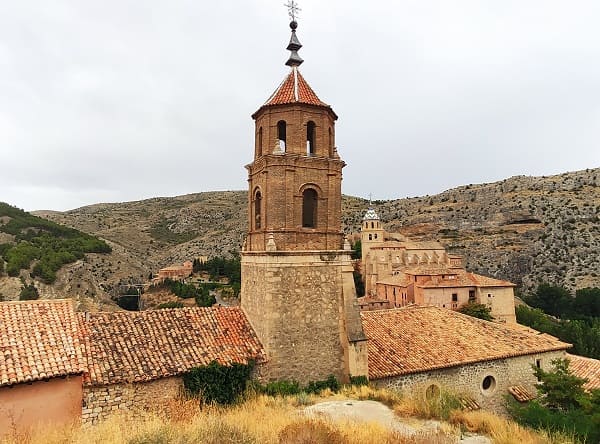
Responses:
[299,316]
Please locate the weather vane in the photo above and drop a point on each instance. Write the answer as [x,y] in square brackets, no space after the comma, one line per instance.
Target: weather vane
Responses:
[293,9]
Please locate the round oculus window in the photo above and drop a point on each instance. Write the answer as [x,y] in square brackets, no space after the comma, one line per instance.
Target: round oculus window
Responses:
[488,384]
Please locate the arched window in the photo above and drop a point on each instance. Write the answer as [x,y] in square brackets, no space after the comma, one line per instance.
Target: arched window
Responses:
[309,208]
[370,237]
[259,142]
[281,134]
[330,142]
[310,139]
[257,209]
[372,225]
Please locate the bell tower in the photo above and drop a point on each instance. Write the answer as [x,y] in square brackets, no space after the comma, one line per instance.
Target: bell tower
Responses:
[296,176]
[297,285]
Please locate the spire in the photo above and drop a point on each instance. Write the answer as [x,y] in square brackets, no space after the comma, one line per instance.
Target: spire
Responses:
[294,46]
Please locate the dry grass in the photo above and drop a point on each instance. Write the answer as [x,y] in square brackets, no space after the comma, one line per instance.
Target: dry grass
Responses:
[504,431]
[261,419]
[416,403]
[277,420]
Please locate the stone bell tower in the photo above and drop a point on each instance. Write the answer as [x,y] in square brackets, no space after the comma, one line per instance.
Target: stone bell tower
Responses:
[297,284]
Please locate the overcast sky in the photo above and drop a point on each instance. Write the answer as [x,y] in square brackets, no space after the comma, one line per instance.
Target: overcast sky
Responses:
[115,100]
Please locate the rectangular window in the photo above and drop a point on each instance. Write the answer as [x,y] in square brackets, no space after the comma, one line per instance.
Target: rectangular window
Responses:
[454,297]
[471,295]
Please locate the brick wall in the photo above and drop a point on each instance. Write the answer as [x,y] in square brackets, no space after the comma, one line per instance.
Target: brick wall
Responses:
[468,379]
[99,402]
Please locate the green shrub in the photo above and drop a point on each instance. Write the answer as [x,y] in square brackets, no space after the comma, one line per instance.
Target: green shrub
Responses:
[282,388]
[29,293]
[330,383]
[218,383]
[480,311]
[359,380]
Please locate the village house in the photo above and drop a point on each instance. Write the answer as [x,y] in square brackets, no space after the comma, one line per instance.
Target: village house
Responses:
[174,272]
[398,272]
[135,360]
[41,364]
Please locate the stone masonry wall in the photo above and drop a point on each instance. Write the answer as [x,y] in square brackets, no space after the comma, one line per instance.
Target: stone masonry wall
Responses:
[468,379]
[295,304]
[99,402]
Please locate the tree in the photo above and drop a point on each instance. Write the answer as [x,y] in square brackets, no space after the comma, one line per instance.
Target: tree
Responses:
[561,389]
[587,302]
[480,311]
[552,299]
[564,405]
[357,249]
[29,293]
[358,283]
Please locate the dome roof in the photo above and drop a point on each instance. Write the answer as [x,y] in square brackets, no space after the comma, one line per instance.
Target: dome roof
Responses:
[371,215]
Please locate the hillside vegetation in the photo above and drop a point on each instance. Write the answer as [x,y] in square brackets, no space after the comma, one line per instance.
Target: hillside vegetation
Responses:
[42,245]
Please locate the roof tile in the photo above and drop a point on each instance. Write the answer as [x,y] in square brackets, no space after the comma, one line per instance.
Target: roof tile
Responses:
[294,89]
[38,340]
[142,346]
[586,368]
[452,339]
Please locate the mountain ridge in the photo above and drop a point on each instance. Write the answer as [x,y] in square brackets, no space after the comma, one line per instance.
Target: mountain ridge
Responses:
[525,229]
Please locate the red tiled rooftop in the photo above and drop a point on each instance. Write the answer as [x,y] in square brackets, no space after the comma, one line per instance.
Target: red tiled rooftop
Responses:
[124,347]
[38,340]
[397,346]
[586,368]
[294,89]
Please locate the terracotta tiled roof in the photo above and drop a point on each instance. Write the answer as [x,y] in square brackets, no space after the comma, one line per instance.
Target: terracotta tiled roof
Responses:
[142,346]
[586,368]
[294,89]
[398,347]
[520,393]
[486,281]
[466,279]
[38,340]
[461,278]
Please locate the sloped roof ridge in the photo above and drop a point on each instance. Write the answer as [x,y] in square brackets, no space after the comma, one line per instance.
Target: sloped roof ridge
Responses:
[294,89]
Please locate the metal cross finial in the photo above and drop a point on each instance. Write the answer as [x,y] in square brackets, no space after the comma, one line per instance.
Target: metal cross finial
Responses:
[293,9]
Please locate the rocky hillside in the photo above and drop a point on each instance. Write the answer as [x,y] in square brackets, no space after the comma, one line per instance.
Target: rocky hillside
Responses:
[525,229]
